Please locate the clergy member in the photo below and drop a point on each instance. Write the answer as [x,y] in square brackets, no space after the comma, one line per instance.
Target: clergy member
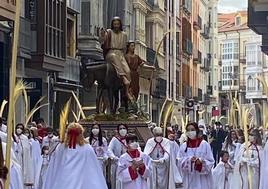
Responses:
[158,148]
[74,164]
[133,166]
[196,160]
[116,148]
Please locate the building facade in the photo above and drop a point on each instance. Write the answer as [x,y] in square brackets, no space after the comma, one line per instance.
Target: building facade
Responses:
[47,60]
[241,62]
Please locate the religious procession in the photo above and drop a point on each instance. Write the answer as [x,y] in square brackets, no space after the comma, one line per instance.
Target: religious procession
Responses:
[140,94]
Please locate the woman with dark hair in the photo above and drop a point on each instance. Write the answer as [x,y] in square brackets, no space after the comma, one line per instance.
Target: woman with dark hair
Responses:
[196,160]
[116,148]
[230,145]
[249,161]
[99,144]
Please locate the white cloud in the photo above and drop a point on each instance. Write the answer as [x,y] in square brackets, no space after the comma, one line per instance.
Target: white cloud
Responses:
[232,5]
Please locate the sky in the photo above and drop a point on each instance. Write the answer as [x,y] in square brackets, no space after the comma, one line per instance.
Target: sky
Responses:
[226,6]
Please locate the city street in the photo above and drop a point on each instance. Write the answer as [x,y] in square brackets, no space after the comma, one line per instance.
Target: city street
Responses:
[133,94]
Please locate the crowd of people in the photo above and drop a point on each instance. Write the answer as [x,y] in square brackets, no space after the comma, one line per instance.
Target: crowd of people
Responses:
[201,157]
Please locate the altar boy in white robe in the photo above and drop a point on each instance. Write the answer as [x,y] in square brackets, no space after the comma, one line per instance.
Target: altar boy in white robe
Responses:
[74,164]
[116,148]
[158,148]
[196,160]
[222,173]
[24,156]
[133,166]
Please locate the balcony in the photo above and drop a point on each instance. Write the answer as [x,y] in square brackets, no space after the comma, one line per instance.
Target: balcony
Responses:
[150,54]
[205,32]
[187,46]
[160,88]
[71,70]
[7,10]
[197,57]
[198,23]
[73,5]
[206,65]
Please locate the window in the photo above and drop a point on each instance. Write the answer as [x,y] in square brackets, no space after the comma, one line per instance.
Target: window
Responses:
[71,46]
[230,51]
[238,21]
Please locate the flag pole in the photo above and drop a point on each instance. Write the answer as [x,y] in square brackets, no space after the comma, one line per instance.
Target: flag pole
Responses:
[10,121]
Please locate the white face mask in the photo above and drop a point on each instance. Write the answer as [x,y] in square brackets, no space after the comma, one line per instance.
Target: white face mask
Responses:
[50,135]
[123,132]
[134,145]
[191,134]
[19,131]
[46,152]
[27,134]
[95,131]
[251,138]
[158,138]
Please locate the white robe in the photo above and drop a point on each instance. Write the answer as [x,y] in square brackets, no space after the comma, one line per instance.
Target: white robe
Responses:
[24,156]
[160,178]
[45,163]
[101,152]
[3,128]
[115,150]
[123,174]
[222,176]
[37,160]
[264,168]
[74,168]
[174,150]
[251,160]
[193,179]
[16,178]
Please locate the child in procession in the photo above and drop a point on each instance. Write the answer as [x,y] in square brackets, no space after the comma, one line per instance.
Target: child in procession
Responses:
[222,172]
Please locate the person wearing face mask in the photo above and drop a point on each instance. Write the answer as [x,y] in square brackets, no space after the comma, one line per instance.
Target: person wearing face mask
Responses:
[50,140]
[44,166]
[116,148]
[158,149]
[99,144]
[24,156]
[133,166]
[195,160]
[249,160]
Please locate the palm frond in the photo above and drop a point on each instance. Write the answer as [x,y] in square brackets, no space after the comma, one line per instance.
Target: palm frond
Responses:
[32,112]
[3,105]
[64,118]
[79,106]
